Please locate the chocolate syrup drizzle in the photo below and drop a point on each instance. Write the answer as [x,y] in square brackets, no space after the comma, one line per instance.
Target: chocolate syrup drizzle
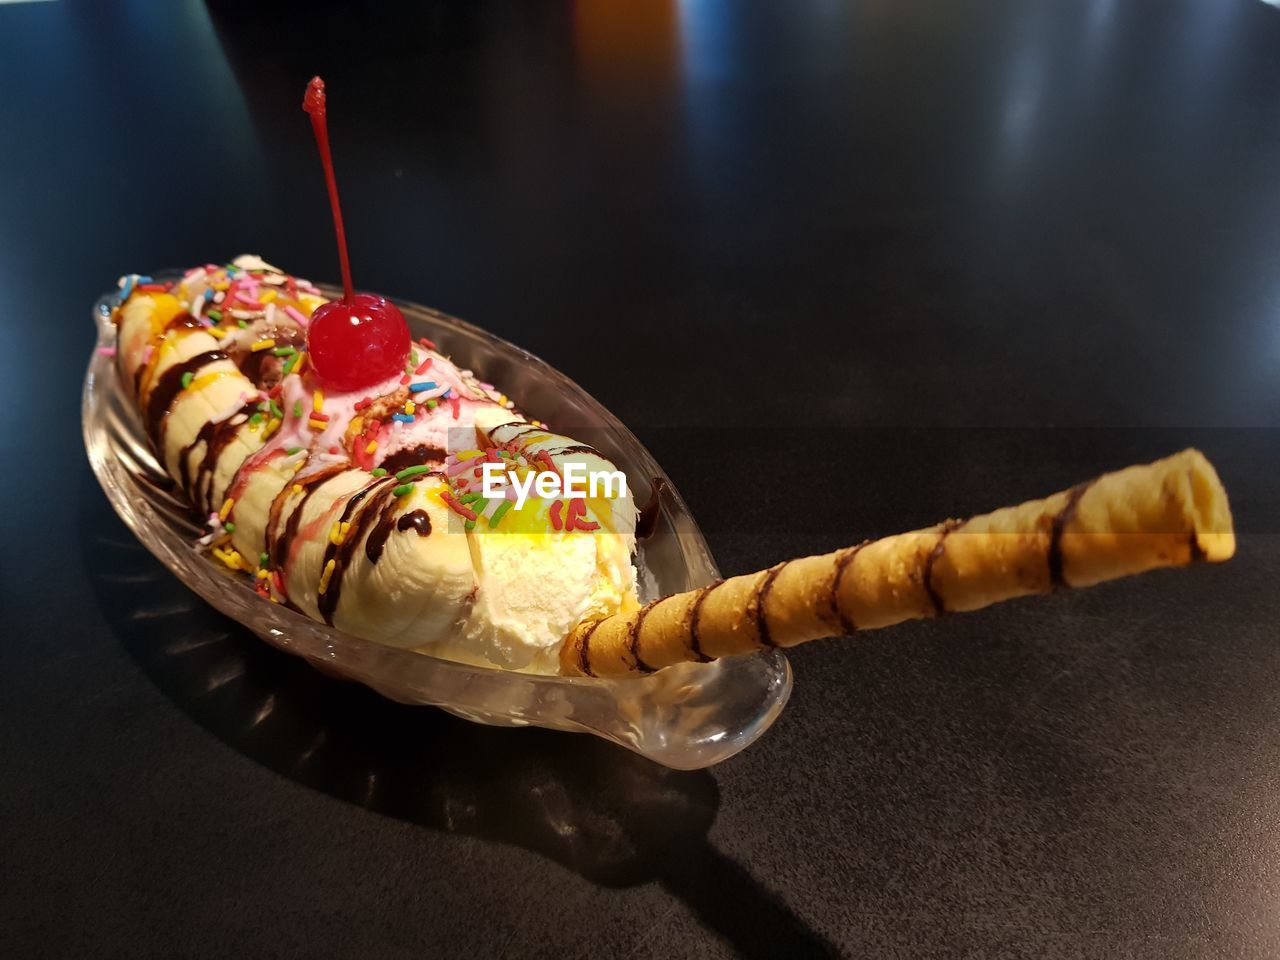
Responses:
[252,361]
[341,553]
[412,457]
[166,391]
[647,521]
[184,321]
[519,431]
[278,543]
[418,520]
[388,521]
[216,436]
[385,508]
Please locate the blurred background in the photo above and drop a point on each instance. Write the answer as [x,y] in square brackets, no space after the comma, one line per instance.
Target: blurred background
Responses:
[846,267]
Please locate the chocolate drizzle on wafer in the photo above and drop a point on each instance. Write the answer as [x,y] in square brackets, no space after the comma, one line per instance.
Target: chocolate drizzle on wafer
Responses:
[935,598]
[763,585]
[1063,517]
[842,564]
[633,636]
[695,613]
[584,649]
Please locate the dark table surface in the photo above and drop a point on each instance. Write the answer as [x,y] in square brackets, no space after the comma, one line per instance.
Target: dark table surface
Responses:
[846,268]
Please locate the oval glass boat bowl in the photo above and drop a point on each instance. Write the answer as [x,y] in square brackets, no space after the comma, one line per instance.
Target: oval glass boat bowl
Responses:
[687,716]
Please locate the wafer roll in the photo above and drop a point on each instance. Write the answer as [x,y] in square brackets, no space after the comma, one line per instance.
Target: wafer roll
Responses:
[1166,514]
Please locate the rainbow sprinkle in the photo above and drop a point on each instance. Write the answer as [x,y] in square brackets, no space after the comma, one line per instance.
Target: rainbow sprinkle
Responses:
[325,577]
[457,507]
[231,558]
[408,472]
[499,513]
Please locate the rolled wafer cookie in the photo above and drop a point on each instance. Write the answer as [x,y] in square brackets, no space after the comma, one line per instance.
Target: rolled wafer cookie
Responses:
[1165,514]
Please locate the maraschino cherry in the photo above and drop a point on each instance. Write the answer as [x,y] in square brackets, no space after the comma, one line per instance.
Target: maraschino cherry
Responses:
[361,339]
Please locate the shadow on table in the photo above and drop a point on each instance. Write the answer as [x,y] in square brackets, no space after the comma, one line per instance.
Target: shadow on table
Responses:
[611,816]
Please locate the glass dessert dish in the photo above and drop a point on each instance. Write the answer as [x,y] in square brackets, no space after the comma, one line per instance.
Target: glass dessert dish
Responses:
[685,716]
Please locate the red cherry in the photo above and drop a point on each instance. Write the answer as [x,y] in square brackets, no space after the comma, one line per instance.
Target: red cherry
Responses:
[357,343]
[361,339]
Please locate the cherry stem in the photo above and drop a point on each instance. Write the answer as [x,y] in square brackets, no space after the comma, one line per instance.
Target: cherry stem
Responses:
[313,102]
